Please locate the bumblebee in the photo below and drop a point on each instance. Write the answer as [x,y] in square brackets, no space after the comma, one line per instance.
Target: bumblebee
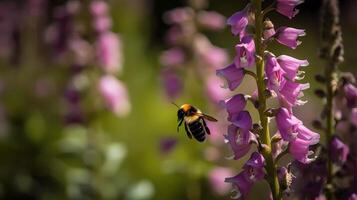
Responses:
[194,121]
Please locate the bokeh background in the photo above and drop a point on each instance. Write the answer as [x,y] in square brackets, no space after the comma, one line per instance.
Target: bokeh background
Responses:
[58,140]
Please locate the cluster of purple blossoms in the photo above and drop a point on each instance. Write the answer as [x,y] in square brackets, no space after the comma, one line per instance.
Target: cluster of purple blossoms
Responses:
[280,79]
[311,179]
[191,51]
[332,175]
[109,56]
[66,37]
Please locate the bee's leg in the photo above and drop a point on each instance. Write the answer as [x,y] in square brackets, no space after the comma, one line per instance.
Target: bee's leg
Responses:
[178,126]
[206,128]
[188,131]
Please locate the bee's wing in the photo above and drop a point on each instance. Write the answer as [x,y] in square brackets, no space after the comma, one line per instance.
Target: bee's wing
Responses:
[209,118]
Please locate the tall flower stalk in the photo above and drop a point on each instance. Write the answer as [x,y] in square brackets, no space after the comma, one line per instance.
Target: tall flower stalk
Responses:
[332,52]
[276,77]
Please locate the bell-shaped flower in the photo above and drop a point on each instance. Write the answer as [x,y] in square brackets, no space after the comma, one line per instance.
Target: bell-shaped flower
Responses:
[299,149]
[338,150]
[233,75]
[253,170]
[239,141]
[274,73]
[239,21]
[307,134]
[288,36]
[245,53]
[287,124]
[290,92]
[241,185]
[351,95]
[243,120]
[254,167]
[287,7]
[291,66]
[234,105]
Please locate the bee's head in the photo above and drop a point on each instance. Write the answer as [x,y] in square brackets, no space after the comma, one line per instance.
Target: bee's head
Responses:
[180,114]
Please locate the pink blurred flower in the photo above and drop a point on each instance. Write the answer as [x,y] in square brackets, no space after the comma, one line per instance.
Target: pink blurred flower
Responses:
[213,89]
[217,177]
[211,20]
[178,15]
[99,8]
[109,52]
[114,94]
[172,57]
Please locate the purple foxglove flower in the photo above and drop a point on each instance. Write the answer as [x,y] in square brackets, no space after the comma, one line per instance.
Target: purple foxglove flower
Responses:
[245,53]
[216,178]
[114,94]
[239,20]
[287,124]
[241,185]
[172,57]
[287,7]
[351,95]
[233,75]
[353,117]
[253,171]
[299,149]
[243,120]
[173,84]
[178,15]
[291,65]
[211,20]
[273,71]
[235,105]
[99,8]
[306,134]
[338,150]
[239,140]
[254,167]
[109,52]
[213,89]
[290,93]
[288,36]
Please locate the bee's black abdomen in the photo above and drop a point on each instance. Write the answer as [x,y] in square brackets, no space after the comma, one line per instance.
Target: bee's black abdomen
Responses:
[197,130]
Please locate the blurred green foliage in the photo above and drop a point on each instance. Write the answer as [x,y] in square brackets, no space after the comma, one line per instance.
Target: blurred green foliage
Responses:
[119,158]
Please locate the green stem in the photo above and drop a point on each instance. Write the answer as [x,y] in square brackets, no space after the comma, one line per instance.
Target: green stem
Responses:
[329,73]
[265,137]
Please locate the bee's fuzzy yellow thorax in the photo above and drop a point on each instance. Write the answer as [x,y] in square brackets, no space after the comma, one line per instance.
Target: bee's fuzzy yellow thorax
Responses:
[185,107]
